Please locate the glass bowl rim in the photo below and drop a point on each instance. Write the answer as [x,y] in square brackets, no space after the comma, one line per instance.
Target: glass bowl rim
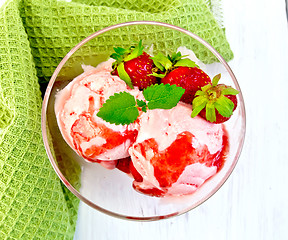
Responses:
[47,96]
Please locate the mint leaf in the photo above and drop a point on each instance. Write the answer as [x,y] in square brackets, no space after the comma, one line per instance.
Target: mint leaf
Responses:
[141,103]
[119,108]
[144,108]
[122,108]
[163,96]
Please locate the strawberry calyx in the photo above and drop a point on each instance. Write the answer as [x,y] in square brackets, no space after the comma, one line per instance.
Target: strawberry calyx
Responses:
[168,63]
[122,55]
[213,97]
[126,54]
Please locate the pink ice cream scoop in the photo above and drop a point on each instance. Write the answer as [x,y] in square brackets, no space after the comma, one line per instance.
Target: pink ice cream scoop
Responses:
[166,151]
[174,153]
[76,108]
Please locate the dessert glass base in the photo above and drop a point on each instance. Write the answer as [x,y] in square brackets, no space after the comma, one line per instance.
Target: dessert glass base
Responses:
[111,191]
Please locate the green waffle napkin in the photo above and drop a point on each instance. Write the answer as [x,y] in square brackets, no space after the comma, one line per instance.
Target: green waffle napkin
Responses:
[34,36]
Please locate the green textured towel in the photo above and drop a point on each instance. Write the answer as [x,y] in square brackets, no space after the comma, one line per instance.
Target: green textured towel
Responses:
[34,36]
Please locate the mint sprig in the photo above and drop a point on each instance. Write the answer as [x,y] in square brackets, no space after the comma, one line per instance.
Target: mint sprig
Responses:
[122,55]
[123,108]
[142,104]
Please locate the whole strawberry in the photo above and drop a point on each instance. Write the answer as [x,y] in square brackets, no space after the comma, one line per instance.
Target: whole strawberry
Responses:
[134,66]
[182,72]
[215,102]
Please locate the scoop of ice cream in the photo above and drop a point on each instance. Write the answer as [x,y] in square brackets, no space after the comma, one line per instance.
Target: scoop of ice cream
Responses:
[174,153]
[76,107]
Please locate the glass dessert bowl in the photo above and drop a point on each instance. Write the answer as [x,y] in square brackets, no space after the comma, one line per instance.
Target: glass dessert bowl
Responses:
[105,186]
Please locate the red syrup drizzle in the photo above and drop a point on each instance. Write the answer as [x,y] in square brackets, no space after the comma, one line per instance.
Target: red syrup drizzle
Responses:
[126,165]
[84,129]
[170,163]
[123,165]
[153,192]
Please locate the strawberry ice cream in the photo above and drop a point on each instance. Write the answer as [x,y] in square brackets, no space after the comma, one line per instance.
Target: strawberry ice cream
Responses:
[166,151]
[174,153]
[76,108]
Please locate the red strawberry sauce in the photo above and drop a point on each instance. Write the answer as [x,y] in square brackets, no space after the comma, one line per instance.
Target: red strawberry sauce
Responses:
[84,129]
[170,163]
